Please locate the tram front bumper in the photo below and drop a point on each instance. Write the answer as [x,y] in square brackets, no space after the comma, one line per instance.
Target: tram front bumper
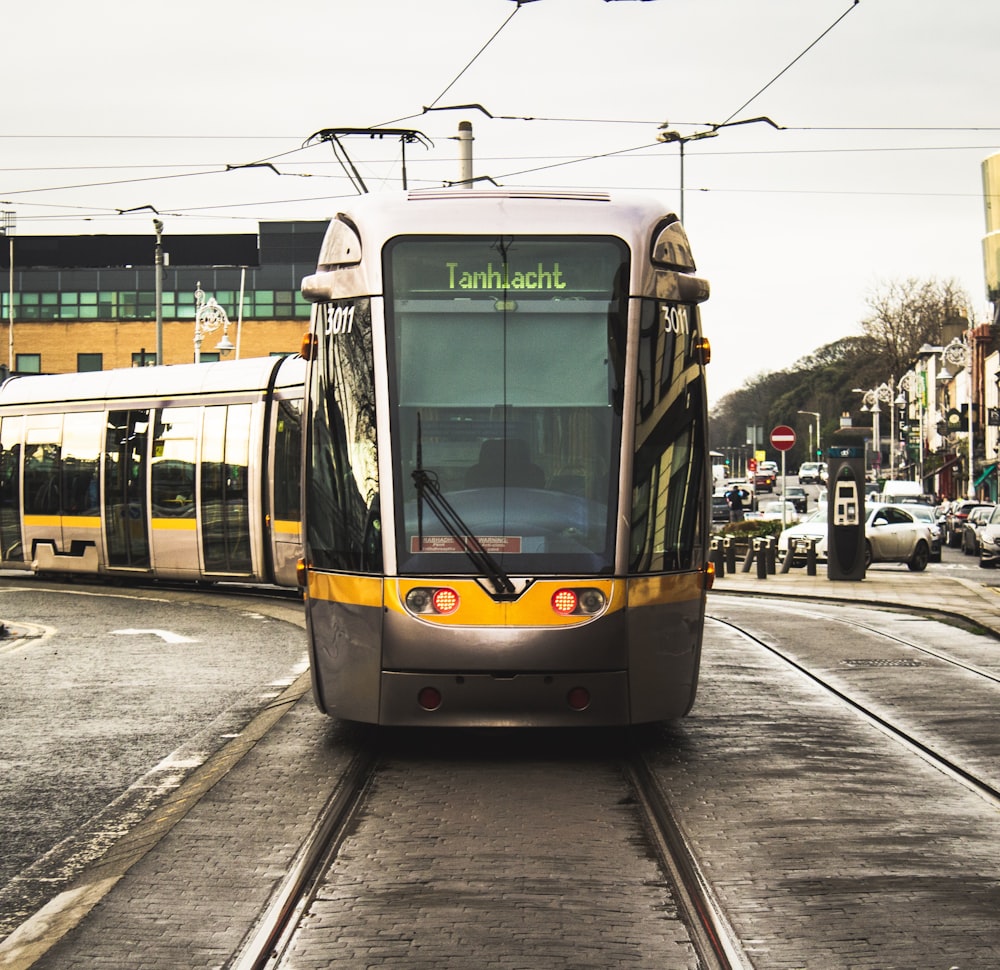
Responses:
[500,700]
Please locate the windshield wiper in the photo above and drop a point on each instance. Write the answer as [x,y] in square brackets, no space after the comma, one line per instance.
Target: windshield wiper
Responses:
[429,491]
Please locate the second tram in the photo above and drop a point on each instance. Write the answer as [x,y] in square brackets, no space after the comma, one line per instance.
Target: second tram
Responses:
[506,479]
[187,472]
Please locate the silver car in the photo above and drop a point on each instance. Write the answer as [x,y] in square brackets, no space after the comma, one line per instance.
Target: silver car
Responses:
[892,534]
[928,515]
[989,541]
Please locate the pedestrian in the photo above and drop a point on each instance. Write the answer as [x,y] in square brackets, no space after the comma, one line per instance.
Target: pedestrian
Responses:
[735,497]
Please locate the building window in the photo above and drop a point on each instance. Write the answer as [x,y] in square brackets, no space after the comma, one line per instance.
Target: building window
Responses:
[28,364]
[144,359]
[89,362]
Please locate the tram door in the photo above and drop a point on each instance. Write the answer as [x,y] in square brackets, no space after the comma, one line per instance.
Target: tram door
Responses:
[11,545]
[285,513]
[126,514]
[173,515]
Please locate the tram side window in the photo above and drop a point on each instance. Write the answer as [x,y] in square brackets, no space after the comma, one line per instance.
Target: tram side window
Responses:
[81,449]
[173,465]
[42,465]
[344,529]
[668,475]
[11,549]
[225,517]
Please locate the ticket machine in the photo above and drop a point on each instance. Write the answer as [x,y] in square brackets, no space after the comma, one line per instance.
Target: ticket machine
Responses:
[845,547]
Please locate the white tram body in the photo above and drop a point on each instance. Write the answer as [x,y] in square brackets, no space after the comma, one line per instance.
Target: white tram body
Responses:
[506,468]
[186,472]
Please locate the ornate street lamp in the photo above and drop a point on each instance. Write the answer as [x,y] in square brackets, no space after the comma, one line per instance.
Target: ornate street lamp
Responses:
[958,353]
[208,317]
[910,390]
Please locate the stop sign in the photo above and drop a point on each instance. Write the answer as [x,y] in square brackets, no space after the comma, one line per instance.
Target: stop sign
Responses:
[783,437]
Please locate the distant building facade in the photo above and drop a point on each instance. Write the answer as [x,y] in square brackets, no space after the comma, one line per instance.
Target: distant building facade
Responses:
[86,303]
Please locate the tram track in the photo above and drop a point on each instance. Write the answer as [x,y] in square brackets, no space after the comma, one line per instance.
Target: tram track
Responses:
[868,628]
[274,941]
[919,743]
[269,939]
[713,937]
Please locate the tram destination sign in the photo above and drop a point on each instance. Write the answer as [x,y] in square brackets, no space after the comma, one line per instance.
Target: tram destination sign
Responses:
[782,437]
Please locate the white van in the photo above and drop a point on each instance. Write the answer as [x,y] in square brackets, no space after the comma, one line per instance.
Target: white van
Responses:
[900,492]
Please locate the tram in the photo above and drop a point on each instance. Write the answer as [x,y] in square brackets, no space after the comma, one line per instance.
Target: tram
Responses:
[506,484]
[186,472]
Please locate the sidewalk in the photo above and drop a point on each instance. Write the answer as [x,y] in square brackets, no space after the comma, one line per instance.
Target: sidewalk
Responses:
[883,585]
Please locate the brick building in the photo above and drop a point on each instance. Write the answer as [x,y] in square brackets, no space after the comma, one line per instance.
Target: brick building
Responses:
[85,303]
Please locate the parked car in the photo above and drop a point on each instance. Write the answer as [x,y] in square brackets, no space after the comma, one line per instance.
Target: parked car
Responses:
[892,534]
[989,541]
[798,537]
[720,508]
[798,496]
[779,509]
[812,472]
[974,523]
[955,519]
[928,515]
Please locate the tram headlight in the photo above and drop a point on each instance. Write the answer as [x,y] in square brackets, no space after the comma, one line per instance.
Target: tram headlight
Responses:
[418,600]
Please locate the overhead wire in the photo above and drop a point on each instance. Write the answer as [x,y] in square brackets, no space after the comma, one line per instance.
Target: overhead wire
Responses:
[791,63]
[558,162]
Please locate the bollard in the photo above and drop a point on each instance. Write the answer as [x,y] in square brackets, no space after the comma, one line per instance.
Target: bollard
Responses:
[771,548]
[786,563]
[730,548]
[811,558]
[718,559]
[749,557]
[760,553]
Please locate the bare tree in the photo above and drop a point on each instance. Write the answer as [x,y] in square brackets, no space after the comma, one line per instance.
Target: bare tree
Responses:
[909,313]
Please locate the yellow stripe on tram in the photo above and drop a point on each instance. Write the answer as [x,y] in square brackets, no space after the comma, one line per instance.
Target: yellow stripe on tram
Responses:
[176,525]
[63,521]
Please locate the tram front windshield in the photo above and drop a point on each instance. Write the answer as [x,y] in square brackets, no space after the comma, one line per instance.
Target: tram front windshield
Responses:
[505,382]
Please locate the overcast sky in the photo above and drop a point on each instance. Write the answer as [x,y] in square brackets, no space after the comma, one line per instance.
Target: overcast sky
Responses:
[888,108]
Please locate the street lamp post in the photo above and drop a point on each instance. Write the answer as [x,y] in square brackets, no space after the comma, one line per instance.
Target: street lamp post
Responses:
[958,353]
[667,135]
[870,403]
[208,317]
[909,388]
[671,136]
[819,447]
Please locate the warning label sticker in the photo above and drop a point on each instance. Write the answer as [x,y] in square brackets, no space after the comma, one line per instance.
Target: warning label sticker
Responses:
[492,544]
